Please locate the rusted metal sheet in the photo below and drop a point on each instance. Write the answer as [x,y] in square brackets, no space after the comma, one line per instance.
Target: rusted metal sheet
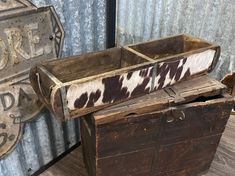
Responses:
[36,36]
[211,20]
[26,38]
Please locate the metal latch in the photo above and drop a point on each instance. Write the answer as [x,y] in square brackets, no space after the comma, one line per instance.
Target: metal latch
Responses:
[176,95]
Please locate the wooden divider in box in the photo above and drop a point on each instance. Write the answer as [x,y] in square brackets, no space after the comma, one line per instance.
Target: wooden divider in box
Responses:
[178,58]
[156,135]
[82,84]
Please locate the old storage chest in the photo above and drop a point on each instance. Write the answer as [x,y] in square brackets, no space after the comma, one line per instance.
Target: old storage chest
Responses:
[173,131]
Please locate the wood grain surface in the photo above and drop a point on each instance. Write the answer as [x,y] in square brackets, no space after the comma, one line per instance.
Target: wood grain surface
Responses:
[223,164]
[224,161]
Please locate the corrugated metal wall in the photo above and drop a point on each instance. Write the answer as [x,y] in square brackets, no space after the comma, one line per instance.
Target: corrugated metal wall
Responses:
[45,138]
[137,20]
[214,20]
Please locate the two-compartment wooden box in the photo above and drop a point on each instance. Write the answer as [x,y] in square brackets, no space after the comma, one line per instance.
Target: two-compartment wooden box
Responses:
[156,135]
[78,85]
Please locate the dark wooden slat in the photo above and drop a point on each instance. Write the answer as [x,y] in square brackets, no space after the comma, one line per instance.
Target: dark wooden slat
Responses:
[223,163]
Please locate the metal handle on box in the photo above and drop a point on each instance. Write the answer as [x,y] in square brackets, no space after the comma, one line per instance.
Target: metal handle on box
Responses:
[175,115]
[178,99]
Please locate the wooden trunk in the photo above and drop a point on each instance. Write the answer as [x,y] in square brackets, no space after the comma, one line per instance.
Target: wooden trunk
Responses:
[80,85]
[171,132]
[229,81]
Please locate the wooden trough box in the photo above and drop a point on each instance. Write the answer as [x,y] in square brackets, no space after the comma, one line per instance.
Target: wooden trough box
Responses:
[79,85]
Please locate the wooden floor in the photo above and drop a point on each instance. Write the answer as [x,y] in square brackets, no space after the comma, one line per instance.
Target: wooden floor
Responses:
[223,164]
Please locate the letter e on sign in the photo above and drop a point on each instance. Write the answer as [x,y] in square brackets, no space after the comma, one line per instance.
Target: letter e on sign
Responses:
[25,40]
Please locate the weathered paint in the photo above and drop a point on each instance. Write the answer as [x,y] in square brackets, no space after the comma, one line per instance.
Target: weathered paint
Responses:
[24,40]
[45,138]
[18,104]
[9,6]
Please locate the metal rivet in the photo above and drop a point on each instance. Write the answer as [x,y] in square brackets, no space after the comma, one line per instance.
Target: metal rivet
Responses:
[11,137]
[51,37]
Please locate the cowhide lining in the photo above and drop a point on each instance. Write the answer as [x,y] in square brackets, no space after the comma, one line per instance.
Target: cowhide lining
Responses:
[169,73]
[109,90]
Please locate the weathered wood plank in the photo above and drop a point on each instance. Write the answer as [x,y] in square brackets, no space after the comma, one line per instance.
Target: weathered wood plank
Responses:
[223,163]
[188,91]
[183,136]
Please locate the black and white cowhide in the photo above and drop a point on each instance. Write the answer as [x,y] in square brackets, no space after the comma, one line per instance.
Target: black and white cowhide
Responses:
[128,85]
[169,73]
[109,90]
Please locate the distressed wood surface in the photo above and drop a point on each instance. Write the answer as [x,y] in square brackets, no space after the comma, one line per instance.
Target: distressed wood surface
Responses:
[171,144]
[229,81]
[224,161]
[87,80]
[179,138]
[222,165]
[177,94]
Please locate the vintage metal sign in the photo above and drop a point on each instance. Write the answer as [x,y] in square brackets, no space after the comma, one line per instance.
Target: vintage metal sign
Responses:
[9,6]
[27,37]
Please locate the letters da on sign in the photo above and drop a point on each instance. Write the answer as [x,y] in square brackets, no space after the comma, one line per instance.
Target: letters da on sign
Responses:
[19,101]
[27,37]
[16,102]
[13,47]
